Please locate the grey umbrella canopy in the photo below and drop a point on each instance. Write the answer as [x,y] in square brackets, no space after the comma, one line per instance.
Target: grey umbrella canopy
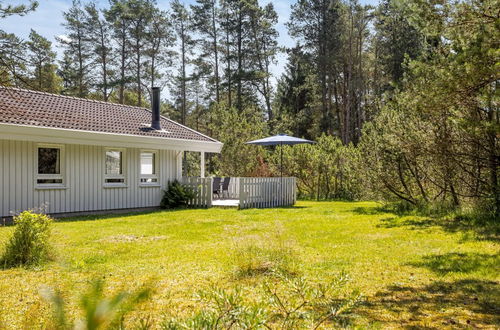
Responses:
[280,140]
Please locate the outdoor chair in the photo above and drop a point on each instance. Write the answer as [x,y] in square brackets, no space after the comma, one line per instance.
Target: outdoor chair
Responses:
[225,186]
[216,186]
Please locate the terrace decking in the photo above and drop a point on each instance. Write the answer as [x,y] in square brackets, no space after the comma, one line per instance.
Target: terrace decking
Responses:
[226,202]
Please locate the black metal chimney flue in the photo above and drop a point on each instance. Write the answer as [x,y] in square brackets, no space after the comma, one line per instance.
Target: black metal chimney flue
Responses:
[155,109]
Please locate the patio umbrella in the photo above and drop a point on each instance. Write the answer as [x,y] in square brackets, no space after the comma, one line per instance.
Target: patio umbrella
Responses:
[280,140]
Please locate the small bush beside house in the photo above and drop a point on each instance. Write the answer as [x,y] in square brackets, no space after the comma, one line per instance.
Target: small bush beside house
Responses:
[29,244]
[176,195]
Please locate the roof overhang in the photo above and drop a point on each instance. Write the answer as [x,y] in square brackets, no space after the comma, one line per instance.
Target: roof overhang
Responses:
[71,136]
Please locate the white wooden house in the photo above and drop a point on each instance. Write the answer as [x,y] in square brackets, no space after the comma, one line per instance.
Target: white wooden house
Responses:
[74,155]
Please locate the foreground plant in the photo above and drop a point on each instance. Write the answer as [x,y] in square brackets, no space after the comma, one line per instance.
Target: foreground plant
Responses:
[224,309]
[296,302]
[284,302]
[100,312]
[29,244]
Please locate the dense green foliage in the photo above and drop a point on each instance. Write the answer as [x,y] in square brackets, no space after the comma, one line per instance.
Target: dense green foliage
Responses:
[325,170]
[176,195]
[436,139]
[30,242]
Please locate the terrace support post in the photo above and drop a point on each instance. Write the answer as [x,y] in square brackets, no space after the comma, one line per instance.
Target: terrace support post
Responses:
[202,164]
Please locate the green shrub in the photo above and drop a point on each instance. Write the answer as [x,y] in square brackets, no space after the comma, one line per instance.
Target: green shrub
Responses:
[176,195]
[29,245]
[325,170]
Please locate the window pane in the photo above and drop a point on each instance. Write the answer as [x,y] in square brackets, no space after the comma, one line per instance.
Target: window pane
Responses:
[47,181]
[114,162]
[147,163]
[49,161]
[149,180]
[114,181]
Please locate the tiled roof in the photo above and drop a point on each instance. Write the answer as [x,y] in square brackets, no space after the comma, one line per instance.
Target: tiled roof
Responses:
[32,108]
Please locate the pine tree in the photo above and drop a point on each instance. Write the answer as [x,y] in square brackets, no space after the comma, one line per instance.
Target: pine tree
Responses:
[206,24]
[68,71]
[183,29]
[42,64]
[317,25]
[139,18]
[335,33]
[159,38]
[296,95]
[117,18]
[263,42]
[12,48]
[353,78]
[77,46]
[396,41]
[12,60]
[102,53]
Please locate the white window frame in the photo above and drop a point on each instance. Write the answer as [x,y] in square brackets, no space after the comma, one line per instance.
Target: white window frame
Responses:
[156,168]
[116,176]
[62,168]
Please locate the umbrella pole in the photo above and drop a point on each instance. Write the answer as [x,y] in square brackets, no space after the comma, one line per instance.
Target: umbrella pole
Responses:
[281,152]
[281,175]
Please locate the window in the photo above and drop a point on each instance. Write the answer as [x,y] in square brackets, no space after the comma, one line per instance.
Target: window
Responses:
[114,173]
[49,165]
[148,167]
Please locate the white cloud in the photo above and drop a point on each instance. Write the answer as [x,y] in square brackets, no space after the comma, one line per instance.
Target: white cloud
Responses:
[64,38]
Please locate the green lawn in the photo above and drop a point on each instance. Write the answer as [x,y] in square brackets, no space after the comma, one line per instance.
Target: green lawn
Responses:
[412,271]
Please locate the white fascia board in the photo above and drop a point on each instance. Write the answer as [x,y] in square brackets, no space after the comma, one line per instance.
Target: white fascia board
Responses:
[71,136]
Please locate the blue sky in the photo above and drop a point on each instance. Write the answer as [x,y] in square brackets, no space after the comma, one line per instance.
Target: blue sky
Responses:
[47,20]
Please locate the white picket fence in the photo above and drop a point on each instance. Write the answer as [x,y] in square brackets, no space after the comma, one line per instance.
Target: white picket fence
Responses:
[251,192]
[203,189]
[267,192]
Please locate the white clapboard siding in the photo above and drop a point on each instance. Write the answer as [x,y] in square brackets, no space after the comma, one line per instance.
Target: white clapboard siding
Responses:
[267,192]
[203,189]
[83,179]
